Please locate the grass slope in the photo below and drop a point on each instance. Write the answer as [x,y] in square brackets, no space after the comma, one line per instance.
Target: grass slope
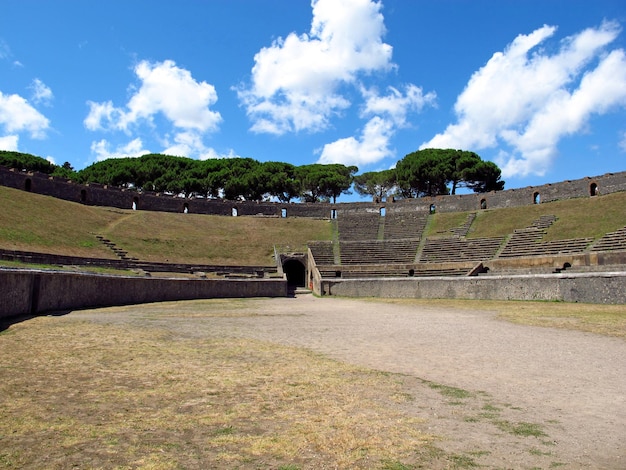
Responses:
[577,218]
[32,222]
[40,223]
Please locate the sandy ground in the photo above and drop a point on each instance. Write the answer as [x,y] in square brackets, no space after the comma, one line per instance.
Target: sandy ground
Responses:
[572,384]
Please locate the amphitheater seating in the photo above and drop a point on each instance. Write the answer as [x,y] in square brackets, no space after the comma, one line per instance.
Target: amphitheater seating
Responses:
[133,264]
[360,253]
[399,225]
[358,225]
[611,241]
[527,241]
[323,252]
[463,230]
[379,251]
[457,249]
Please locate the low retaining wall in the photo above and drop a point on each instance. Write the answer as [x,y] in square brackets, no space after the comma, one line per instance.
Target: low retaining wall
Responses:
[31,292]
[598,288]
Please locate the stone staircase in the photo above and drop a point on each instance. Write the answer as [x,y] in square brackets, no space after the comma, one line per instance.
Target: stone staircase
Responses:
[119,252]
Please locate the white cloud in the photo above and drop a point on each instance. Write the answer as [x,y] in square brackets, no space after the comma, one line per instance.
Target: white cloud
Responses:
[396,105]
[42,94]
[370,147]
[102,149]
[167,90]
[9,142]
[386,114]
[529,100]
[190,143]
[99,112]
[295,81]
[18,115]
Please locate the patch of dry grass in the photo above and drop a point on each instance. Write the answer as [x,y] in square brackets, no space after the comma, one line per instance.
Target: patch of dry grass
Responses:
[208,239]
[78,394]
[32,222]
[577,218]
[608,320]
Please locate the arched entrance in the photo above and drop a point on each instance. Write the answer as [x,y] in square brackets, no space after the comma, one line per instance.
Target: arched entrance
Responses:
[295,272]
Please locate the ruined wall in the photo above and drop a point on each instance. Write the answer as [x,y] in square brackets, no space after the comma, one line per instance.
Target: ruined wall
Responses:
[30,292]
[606,288]
[99,195]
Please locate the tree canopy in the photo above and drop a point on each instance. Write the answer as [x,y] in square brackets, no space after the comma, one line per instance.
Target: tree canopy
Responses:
[231,178]
[379,184]
[432,172]
[427,172]
[25,161]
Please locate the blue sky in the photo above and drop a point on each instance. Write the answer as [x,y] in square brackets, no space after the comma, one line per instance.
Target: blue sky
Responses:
[539,87]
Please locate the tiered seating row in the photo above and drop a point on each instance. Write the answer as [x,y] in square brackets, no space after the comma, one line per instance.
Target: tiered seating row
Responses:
[526,242]
[361,226]
[519,247]
[611,241]
[400,225]
[397,255]
[456,249]
[323,252]
[464,229]
[379,251]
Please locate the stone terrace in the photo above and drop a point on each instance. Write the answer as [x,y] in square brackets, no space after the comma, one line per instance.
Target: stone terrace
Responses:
[399,225]
[358,226]
[372,245]
[527,241]
[379,251]
[456,249]
[612,241]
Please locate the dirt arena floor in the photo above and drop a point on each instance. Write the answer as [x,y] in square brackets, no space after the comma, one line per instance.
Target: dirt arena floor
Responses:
[572,384]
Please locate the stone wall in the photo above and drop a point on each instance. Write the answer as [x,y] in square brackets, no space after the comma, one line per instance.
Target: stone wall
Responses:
[599,288]
[30,292]
[99,195]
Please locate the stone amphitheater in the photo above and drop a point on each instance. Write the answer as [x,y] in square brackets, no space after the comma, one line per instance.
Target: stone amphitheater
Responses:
[380,248]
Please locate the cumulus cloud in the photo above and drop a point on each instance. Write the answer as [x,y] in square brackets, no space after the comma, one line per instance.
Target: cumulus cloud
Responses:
[525,100]
[9,142]
[166,90]
[370,147]
[18,115]
[41,93]
[386,114]
[103,150]
[184,143]
[295,81]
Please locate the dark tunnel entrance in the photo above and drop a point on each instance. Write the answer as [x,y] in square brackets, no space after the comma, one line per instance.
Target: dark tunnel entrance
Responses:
[295,272]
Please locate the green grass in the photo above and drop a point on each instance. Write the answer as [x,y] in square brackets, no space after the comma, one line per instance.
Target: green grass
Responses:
[520,429]
[450,392]
[31,222]
[577,218]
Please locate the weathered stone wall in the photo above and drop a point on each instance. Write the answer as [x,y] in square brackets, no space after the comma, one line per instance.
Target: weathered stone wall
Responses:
[32,292]
[99,195]
[605,288]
